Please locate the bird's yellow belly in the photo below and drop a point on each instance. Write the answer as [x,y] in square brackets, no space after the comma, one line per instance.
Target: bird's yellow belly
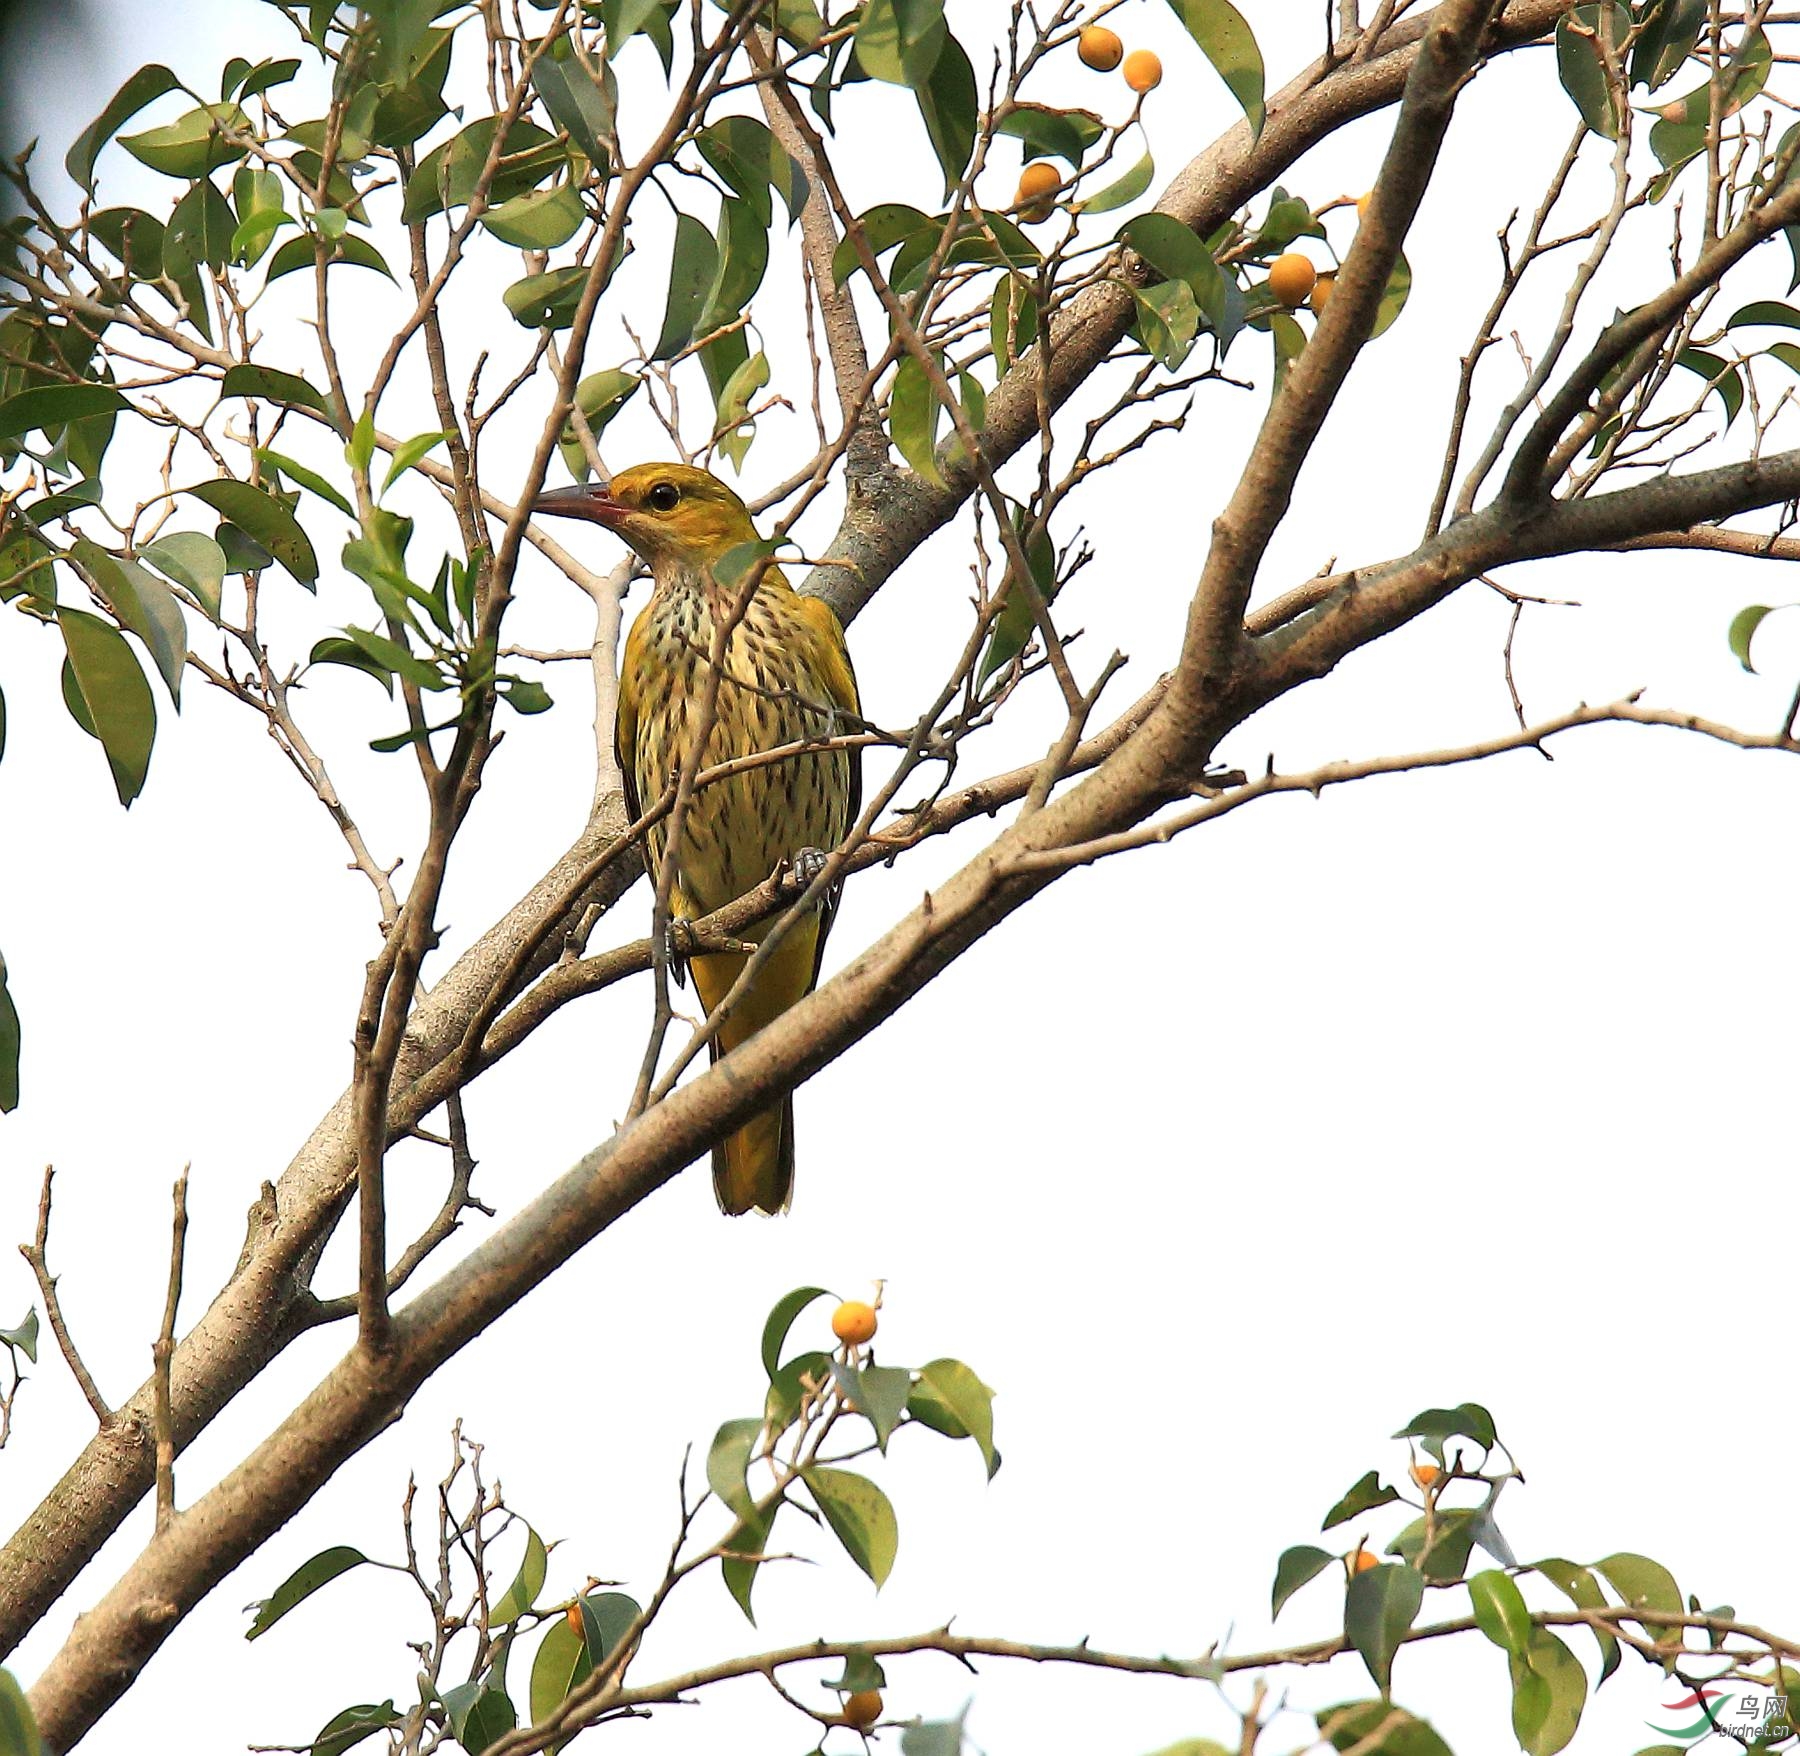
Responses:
[735,832]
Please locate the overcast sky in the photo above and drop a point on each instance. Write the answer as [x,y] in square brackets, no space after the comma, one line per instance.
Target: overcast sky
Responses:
[1218,1162]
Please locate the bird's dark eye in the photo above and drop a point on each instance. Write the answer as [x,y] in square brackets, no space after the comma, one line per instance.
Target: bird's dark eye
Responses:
[664,497]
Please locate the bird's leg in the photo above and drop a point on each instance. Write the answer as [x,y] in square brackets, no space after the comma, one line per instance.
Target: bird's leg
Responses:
[678,945]
[801,868]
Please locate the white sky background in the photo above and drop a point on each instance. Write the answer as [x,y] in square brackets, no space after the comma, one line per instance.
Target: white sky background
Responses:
[1218,1162]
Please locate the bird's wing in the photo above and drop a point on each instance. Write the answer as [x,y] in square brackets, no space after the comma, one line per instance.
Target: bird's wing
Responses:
[840,683]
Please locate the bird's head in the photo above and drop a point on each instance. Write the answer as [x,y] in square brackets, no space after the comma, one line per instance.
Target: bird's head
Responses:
[668,512]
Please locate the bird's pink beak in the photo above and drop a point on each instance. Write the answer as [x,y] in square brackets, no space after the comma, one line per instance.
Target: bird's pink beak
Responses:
[590,500]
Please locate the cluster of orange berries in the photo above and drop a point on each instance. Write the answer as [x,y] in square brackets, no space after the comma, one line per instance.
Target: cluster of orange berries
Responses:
[1295,281]
[1102,50]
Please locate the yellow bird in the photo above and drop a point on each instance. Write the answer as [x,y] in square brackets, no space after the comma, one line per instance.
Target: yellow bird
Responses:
[786,677]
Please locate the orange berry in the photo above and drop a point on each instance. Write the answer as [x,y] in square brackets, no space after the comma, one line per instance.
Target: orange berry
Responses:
[573,1616]
[1038,184]
[1360,1559]
[1100,48]
[1321,293]
[862,1709]
[1291,278]
[1425,1473]
[1143,70]
[853,1323]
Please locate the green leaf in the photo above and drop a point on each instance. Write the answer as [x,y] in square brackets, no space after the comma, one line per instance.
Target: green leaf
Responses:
[862,1670]
[949,1398]
[1581,63]
[1468,1420]
[728,1463]
[539,219]
[1500,1611]
[1168,321]
[743,260]
[788,1387]
[1453,1537]
[732,409]
[1380,1605]
[479,1715]
[1671,28]
[885,226]
[1364,1495]
[1764,311]
[1743,629]
[860,1515]
[54,405]
[693,265]
[142,88]
[1230,45]
[1176,253]
[781,1319]
[349,251]
[1014,626]
[743,1557]
[1580,1587]
[584,110]
[1293,1570]
[913,415]
[599,396]
[11,1036]
[1721,375]
[401,31]
[193,144]
[25,1336]
[624,19]
[548,300]
[1352,1725]
[1012,321]
[753,163]
[950,106]
[199,232]
[1126,190]
[18,1730]
[1644,1584]
[522,1594]
[899,41]
[409,453]
[264,76]
[113,695]
[264,518]
[934,1737]
[606,1618]
[143,603]
[273,386]
[1049,132]
[344,1731]
[1740,79]
[335,650]
[878,1392]
[309,479]
[1549,1693]
[301,1584]
[447,176]
[1393,297]
[562,1661]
